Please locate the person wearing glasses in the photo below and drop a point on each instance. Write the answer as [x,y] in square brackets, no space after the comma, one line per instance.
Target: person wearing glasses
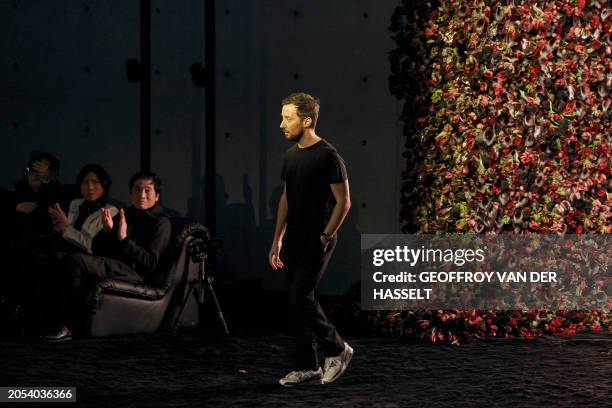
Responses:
[34,194]
[28,227]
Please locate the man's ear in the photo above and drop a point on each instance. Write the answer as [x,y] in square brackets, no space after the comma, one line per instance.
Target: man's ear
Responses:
[307,122]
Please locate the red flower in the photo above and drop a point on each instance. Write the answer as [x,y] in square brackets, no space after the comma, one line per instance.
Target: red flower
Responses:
[517,141]
[488,74]
[601,192]
[526,333]
[526,157]
[497,88]
[579,229]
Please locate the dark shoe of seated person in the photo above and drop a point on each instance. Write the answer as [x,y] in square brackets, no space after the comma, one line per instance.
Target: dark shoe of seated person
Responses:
[62,334]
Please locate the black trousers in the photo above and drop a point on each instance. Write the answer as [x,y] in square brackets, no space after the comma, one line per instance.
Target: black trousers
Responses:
[306,262]
[81,274]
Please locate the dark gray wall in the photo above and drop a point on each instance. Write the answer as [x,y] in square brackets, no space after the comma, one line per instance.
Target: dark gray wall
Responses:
[336,50]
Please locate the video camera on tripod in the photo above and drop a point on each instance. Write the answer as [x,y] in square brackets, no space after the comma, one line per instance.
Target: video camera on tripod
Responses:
[199,247]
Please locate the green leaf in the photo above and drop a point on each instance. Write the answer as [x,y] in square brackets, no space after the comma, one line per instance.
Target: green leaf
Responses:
[481,167]
[436,95]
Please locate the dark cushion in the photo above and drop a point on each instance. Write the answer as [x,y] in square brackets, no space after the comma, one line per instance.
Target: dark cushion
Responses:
[161,279]
[132,289]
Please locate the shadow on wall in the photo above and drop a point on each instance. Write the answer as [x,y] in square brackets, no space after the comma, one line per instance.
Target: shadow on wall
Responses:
[244,258]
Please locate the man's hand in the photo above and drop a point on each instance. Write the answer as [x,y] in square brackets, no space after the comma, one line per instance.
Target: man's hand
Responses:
[41,169]
[107,219]
[324,242]
[59,218]
[122,233]
[26,207]
[274,256]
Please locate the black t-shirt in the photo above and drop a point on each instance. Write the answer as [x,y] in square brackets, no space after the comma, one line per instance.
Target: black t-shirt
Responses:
[308,172]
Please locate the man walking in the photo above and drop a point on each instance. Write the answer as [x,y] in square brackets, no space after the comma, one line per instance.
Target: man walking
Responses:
[313,205]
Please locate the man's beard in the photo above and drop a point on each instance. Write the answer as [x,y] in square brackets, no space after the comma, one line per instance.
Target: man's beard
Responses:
[296,137]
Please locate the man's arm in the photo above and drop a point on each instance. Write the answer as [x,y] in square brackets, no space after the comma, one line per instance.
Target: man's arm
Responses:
[279,231]
[147,257]
[343,203]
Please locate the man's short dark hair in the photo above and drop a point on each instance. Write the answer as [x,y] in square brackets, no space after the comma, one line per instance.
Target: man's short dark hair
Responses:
[307,106]
[98,171]
[143,175]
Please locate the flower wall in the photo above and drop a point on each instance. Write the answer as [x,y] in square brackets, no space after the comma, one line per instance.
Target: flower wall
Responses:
[507,124]
[507,115]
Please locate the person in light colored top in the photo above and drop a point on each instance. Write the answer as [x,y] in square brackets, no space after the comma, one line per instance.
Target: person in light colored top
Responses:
[84,219]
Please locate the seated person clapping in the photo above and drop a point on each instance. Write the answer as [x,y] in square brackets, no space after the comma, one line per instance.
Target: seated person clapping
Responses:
[84,219]
[130,248]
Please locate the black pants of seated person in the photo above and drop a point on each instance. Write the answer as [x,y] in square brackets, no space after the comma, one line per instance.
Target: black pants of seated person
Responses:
[36,280]
[306,262]
[84,272]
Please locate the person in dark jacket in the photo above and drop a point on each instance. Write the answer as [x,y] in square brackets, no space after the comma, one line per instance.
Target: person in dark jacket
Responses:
[28,228]
[130,248]
[34,194]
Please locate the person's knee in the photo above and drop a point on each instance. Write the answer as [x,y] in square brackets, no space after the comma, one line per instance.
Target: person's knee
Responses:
[73,266]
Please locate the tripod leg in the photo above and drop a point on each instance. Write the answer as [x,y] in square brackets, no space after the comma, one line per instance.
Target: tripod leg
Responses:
[177,321]
[201,298]
[217,305]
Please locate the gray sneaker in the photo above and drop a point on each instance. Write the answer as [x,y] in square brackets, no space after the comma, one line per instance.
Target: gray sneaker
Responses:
[335,366]
[302,377]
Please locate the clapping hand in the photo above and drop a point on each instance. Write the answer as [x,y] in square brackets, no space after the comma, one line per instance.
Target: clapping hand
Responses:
[59,218]
[107,219]
[122,233]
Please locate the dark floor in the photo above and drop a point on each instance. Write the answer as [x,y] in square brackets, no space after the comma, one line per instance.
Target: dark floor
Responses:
[198,369]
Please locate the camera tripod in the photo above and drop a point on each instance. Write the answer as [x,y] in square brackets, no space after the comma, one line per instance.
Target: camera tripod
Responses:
[198,249]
